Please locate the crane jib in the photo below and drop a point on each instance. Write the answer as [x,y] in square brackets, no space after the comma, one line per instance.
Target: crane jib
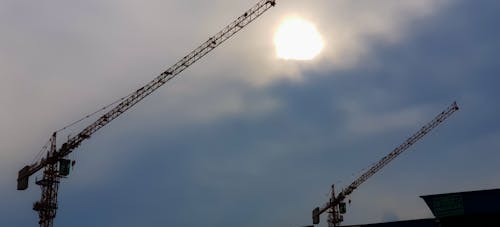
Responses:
[227,32]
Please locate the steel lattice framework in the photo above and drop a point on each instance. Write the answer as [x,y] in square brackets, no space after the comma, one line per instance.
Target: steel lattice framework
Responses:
[332,205]
[47,206]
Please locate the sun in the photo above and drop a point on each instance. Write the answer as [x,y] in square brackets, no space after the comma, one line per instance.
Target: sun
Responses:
[297,39]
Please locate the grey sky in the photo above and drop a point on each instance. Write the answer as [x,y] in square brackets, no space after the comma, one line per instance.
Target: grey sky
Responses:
[243,138]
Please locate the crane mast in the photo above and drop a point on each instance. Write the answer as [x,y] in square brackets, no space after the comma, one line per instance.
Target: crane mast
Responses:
[52,163]
[333,206]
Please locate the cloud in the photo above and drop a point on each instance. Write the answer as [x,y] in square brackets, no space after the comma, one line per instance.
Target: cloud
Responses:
[349,29]
[363,121]
[242,134]
[71,54]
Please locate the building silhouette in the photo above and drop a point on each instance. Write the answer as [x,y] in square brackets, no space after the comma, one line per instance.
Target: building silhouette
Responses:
[471,208]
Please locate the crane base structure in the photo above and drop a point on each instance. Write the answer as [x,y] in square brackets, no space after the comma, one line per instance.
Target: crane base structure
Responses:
[336,205]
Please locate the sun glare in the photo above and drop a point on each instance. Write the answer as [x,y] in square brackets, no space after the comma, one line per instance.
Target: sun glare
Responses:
[297,39]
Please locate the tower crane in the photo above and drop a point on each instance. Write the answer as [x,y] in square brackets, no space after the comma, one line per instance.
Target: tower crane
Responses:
[55,164]
[336,205]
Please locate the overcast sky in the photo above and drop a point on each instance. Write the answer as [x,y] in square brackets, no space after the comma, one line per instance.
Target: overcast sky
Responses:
[243,138]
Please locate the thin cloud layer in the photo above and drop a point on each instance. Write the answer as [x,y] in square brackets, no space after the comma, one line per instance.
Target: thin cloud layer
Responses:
[241,134]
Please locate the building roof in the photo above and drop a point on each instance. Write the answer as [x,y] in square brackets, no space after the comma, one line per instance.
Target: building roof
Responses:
[482,205]
[428,222]
[480,202]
